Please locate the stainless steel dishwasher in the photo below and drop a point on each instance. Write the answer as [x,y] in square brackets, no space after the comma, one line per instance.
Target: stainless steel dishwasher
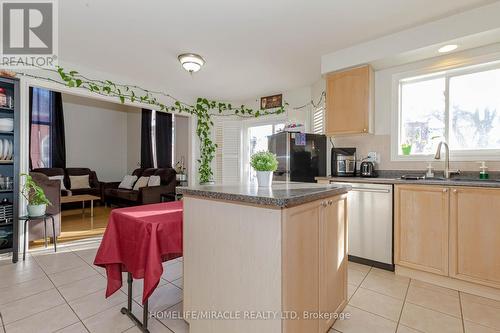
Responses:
[370,224]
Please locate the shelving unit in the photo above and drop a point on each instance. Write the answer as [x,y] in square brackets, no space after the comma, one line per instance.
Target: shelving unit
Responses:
[9,233]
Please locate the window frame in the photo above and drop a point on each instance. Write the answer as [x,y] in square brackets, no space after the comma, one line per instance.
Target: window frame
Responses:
[447,72]
[246,125]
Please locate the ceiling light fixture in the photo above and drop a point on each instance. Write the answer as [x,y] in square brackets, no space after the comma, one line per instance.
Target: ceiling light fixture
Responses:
[447,48]
[191,62]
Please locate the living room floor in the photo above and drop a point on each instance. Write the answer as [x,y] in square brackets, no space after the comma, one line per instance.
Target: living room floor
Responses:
[76,226]
[64,292]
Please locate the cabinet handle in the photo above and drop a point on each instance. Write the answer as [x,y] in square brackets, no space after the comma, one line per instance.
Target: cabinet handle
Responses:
[323,203]
[445,190]
[364,129]
[455,191]
[330,202]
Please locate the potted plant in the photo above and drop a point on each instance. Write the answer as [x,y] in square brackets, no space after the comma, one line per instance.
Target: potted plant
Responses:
[181,170]
[265,163]
[406,148]
[34,194]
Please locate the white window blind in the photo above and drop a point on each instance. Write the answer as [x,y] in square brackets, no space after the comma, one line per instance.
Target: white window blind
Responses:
[228,152]
[318,120]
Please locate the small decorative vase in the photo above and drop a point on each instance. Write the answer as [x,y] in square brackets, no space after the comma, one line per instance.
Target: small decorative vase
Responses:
[37,210]
[264,178]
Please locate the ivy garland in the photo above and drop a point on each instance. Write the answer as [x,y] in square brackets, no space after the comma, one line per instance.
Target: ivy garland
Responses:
[204,109]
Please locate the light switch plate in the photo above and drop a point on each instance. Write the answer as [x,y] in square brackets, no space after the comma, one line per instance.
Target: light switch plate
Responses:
[373,157]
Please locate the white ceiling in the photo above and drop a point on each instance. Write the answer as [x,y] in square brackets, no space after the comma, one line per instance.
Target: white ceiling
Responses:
[252,47]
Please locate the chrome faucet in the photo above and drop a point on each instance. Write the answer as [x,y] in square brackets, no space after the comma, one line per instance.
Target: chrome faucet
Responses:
[447,171]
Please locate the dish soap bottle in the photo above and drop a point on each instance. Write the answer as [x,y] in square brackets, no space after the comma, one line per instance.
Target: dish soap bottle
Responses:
[430,172]
[483,174]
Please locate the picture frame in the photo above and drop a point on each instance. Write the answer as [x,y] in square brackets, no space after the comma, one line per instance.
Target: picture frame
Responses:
[271,102]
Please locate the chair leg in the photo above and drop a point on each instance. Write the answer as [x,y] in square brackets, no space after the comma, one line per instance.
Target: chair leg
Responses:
[54,233]
[25,239]
[45,231]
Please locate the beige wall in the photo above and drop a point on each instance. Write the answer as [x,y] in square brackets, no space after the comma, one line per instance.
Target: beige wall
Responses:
[96,136]
[181,141]
[133,140]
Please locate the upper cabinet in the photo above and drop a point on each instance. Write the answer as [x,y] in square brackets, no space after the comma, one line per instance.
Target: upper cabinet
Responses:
[349,101]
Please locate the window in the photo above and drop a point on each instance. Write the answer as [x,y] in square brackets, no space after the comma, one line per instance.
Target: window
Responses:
[40,128]
[318,120]
[461,107]
[258,140]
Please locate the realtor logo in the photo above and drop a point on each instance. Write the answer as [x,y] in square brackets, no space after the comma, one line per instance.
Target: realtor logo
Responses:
[29,33]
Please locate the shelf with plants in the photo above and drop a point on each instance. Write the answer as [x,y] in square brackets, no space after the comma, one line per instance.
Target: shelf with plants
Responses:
[9,169]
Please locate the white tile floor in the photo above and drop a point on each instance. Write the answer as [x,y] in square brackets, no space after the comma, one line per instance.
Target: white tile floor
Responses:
[64,292]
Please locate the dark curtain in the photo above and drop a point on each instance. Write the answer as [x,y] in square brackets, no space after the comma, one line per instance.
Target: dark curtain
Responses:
[163,129]
[46,110]
[58,142]
[146,144]
[30,121]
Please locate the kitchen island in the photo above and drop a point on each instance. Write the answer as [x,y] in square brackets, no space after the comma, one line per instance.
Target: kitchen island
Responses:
[264,259]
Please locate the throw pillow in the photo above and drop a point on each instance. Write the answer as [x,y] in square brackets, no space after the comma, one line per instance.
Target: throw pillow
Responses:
[61,179]
[154,181]
[128,182]
[141,182]
[79,182]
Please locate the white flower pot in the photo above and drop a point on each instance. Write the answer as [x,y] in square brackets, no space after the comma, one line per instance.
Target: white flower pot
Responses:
[264,178]
[37,210]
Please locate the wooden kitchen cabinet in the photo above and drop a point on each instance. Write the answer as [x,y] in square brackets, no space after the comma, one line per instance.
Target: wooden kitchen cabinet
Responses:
[349,101]
[332,259]
[421,227]
[314,264]
[475,235]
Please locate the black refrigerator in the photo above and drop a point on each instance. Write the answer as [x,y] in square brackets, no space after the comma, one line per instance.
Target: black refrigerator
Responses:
[301,156]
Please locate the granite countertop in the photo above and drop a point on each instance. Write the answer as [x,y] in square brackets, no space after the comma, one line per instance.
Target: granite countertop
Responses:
[280,195]
[394,177]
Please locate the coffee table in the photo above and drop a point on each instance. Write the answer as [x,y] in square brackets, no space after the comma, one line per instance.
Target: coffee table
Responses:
[82,198]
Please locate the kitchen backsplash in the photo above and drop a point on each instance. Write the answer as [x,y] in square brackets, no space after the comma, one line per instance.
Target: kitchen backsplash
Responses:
[382,145]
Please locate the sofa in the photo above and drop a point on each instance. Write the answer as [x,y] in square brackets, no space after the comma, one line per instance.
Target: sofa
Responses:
[95,185]
[52,189]
[145,195]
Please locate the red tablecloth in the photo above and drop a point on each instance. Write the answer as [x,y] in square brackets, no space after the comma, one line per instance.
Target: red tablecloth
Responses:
[137,240]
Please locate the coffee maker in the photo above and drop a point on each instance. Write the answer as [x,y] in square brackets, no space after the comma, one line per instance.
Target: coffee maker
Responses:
[343,162]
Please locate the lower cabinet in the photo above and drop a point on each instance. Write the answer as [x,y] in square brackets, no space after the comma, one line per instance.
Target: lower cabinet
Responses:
[475,235]
[421,227]
[450,231]
[314,263]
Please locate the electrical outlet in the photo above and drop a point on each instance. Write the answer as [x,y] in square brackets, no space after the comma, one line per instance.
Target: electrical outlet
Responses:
[373,156]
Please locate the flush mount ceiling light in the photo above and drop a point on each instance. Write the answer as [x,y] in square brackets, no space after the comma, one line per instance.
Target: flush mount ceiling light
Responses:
[448,48]
[191,62]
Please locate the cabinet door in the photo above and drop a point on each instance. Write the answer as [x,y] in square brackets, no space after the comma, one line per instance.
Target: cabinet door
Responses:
[349,101]
[421,227]
[475,235]
[333,259]
[300,265]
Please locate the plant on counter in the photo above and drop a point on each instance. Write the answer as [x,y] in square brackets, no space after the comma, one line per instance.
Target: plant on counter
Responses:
[406,148]
[34,194]
[204,109]
[264,163]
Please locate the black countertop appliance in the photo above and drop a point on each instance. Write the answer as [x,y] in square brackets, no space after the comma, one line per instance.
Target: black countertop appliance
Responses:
[367,169]
[343,162]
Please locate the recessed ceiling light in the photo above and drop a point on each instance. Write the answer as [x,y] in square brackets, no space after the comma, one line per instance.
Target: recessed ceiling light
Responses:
[448,48]
[191,62]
